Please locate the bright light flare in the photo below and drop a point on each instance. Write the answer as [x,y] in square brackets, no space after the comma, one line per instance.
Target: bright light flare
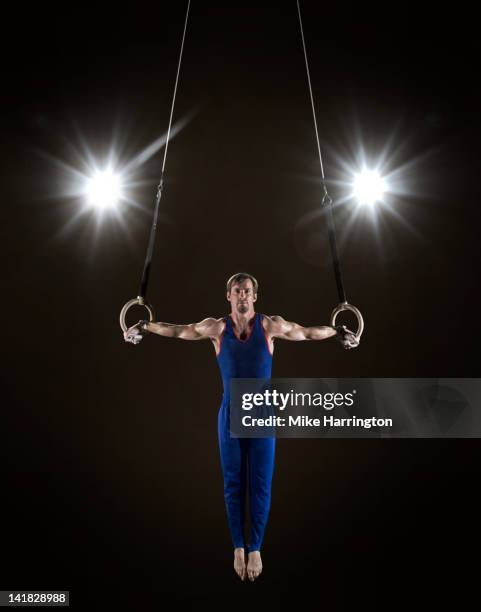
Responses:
[368,187]
[104,190]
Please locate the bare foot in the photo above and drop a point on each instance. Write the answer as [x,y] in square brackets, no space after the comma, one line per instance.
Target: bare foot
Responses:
[254,565]
[240,563]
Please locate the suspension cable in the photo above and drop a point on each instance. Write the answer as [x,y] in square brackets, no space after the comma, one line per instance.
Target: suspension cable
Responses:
[150,249]
[326,199]
[310,89]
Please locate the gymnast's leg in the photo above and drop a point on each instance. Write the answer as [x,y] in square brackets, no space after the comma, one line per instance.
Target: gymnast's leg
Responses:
[261,454]
[233,453]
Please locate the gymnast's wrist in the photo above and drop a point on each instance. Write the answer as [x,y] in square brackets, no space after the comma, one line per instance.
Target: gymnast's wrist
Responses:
[339,329]
[144,325]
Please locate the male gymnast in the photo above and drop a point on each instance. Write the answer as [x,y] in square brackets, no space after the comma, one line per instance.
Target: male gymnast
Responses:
[244,344]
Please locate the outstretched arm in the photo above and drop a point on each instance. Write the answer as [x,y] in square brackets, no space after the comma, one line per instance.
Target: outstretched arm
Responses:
[209,328]
[277,327]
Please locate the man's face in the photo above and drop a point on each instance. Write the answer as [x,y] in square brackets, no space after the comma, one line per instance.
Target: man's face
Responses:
[242,296]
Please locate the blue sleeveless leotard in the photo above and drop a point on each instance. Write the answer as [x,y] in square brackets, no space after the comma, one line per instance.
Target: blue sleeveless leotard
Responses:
[245,462]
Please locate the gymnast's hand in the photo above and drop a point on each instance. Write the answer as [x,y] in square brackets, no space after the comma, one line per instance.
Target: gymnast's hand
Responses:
[135,333]
[346,337]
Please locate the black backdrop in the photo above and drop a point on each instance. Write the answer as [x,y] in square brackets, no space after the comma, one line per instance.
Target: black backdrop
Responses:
[111,483]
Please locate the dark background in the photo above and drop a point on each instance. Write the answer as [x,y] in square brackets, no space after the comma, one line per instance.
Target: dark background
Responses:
[111,481]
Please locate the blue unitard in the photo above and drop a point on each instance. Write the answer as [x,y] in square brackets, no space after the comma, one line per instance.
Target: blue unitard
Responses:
[245,461]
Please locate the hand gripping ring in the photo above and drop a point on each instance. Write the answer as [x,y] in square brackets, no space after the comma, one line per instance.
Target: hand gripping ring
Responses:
[346,306]
[141,302]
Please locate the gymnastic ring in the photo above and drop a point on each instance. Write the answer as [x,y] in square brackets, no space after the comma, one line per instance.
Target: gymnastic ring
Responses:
[345,306]
[140,302]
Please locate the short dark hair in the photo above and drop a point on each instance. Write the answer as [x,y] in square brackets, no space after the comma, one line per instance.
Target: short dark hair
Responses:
[239,277]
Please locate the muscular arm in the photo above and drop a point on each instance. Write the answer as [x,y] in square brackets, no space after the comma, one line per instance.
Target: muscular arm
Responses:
[208,329]
[277,327]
